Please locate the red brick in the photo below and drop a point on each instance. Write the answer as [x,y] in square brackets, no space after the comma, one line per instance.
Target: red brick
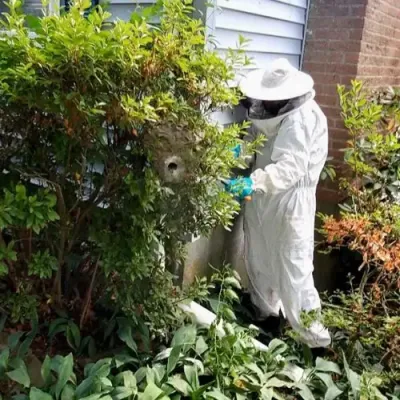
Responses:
[314,66]
[342,69]
[351,58]
[328,34]
[331,101]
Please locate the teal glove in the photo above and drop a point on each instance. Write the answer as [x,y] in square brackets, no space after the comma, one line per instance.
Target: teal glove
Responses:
[237,150]
[241,188]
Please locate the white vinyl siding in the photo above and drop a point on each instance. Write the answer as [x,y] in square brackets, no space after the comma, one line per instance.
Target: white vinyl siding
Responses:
[122,9]
[274,28]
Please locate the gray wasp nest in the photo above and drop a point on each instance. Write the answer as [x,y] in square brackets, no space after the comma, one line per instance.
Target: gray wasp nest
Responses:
[173,151]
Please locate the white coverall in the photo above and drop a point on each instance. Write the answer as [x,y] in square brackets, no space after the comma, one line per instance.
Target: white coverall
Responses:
[279,221]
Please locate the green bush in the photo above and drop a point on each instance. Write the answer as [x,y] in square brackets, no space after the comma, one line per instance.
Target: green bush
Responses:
[365,320]
[108,156]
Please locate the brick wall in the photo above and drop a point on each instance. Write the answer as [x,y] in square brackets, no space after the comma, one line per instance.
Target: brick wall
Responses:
[379,60]
[348,39]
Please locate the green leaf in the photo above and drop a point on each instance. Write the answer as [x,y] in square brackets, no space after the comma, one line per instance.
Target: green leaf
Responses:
[180,385]
[73,335]
[332,393]
[277,383]
[327,366]
[185,335]
[68,392]
[84,387]
[152,392]
[231,281]
[191,376]
[123,359]
[173,358]
[37,394]
[353,378]
[66,369]
[14,339]
[102,368]
[201,345]
[305,392]
[4,357]
[129,379]
[326,378]
[217,394]
[92,397]
[20,375]
[125,334]
[46,369]
[121,393]
[277,346]
[58,325]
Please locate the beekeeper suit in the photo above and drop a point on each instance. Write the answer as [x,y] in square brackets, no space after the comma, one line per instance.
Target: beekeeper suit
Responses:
[279,220]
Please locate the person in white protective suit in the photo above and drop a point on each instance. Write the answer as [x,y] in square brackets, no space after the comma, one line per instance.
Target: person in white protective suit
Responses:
[279,220]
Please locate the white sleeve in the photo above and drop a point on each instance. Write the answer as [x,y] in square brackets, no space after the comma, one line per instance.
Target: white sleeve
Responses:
[290,157]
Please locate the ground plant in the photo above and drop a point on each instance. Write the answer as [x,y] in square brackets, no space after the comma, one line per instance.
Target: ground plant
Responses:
[366,317]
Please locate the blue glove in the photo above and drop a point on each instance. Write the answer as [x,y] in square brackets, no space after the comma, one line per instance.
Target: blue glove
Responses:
[241,188]
[237,150]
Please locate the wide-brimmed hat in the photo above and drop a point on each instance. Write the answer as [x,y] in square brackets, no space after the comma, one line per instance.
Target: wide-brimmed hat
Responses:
[280,81]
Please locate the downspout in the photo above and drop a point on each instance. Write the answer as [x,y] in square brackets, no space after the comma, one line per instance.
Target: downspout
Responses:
[303,46]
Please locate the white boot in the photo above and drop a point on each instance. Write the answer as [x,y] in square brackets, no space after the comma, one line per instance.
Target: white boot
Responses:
[315,336]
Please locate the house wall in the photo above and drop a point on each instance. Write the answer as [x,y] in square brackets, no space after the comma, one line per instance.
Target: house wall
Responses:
[379,59]
[350,39]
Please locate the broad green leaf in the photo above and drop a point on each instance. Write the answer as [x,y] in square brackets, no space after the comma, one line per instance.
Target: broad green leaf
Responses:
[73,335]
[217,395]
[185,335]
[353,378]
[102,368]
[191,376]
[173,358]
[20,375]
[92,397]
[277,346]
[46,369]
[152,392]
[68,392]
[277,383]
[4,356]
[140,374]
[121,393]
[14,339]
[327,366]
[266,394]
[85,387]
[123,359]
[326,378]
[129,379]
[332,393]
[201,345]
[57,326]
[37,394]
[125,334]
[305,392]
[25,345]
[180,385]
[65,372]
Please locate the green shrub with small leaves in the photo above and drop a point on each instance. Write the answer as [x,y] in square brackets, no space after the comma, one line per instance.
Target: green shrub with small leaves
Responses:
[109,159]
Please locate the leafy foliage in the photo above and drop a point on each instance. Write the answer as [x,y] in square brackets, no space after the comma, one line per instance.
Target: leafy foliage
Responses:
[108,158]
[216,363]
[366,320]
